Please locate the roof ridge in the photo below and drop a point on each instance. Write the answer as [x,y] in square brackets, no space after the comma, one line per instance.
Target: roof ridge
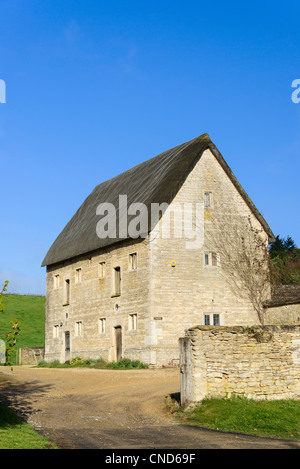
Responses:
[200,137]
[155,180]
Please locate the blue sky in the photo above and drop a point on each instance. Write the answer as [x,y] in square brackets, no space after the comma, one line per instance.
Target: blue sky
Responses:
[94,88]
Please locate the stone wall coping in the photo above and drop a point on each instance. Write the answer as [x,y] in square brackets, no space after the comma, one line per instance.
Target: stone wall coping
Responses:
[245,329]
[287,301]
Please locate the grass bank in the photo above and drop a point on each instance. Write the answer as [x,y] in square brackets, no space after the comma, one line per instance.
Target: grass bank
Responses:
[30,312]
[17,434]
[275,419]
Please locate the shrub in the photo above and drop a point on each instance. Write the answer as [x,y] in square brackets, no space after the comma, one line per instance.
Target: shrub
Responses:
[124,364]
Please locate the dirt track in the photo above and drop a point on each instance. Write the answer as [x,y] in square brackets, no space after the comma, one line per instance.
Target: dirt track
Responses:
[107,409]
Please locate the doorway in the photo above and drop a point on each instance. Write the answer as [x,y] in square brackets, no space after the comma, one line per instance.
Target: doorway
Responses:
[67,346]
[118,342]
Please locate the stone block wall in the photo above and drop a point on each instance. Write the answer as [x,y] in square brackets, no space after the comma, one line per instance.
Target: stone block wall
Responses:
[282,312]
[92,299]
[257,362]
[31,355]
[184,289]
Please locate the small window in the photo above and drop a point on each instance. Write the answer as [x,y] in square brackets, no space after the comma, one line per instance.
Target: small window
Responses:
[102,325]
[207,199]
[133,261]
[55,331]
[206,319]
[78,275]
[67,292]
[211,319]
[117,281]
[216,318]
[102,269]
[213,259]
[132,322]
[210,258]
[56,281]
[78,328]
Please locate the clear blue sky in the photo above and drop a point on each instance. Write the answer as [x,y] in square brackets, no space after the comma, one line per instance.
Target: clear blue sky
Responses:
[95,87]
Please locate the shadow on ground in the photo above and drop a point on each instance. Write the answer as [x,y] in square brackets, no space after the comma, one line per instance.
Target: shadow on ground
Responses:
[19,396]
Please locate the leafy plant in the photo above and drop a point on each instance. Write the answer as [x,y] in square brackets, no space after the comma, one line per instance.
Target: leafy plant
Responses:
[124,364]
[10,336]
[11,340]
[4,288]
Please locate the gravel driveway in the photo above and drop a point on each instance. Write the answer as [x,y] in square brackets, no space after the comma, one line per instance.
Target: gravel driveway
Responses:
[84,408]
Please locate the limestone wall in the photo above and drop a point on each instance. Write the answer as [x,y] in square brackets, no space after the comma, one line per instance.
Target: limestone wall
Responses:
[282,312]
[184,289]
[30,355]
[92,299]
[258,362]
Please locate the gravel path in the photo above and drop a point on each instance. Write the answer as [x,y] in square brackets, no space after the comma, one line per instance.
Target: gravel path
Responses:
[108,409]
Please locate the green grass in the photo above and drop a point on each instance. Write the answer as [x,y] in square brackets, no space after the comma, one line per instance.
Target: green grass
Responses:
[276,418]
[124,364]
[30,312]
[17,434]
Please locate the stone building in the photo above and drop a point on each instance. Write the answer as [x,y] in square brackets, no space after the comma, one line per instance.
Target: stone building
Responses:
[135,266]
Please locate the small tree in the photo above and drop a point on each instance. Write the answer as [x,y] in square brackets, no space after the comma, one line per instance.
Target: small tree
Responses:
[241,245]
[11,340]
[4,288]
[10,336]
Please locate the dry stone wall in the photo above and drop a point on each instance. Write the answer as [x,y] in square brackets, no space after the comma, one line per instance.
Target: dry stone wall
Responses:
[30,355]
[257,362]
[282,312]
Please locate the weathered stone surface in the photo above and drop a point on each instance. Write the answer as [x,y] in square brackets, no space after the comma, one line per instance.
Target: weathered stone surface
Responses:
[270,369]
[30,355]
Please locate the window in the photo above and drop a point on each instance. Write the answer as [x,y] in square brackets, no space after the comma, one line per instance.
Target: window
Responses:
[206,319]
[215,319]
[210,258]
[78,328]
[55,331]
[133,261]
[117,281]
[213,259]
[101,269]
[207,201]
[78,275]
[67,292]
[132,322]
[56,281]
[102,325]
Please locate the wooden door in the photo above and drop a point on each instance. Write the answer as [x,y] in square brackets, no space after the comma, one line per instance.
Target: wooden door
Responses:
[118,342]
[67,346]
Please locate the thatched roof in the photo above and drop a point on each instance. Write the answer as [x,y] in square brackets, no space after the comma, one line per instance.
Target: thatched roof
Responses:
[156,180]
